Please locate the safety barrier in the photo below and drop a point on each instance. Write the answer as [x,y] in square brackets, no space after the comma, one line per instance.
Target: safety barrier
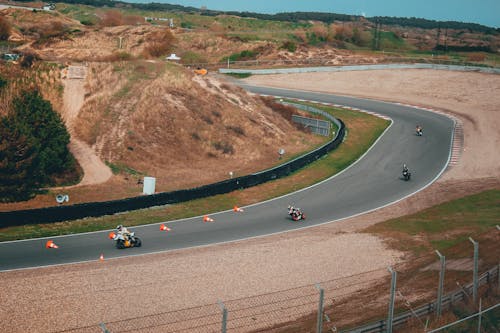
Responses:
[359,68]
[95,209]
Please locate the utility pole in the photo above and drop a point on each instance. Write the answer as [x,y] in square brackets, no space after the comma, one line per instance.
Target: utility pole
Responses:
[445,39]
[437,37]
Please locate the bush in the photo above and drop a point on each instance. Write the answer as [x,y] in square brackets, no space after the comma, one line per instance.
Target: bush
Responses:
[3,82]
[243,55]
[4,28]
[224,147]
[87,22]
[161,43]
[289,46]
[28,60]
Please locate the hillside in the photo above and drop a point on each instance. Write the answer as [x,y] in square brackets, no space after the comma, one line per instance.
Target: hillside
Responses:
[142,115]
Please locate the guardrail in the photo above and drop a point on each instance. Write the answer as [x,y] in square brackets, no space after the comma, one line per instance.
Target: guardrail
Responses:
[401,319]
[317,126]
[95,209]
[359,68]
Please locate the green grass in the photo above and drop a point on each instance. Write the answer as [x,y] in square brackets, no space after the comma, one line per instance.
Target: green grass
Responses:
[121,168]
[363,130]
[450,223]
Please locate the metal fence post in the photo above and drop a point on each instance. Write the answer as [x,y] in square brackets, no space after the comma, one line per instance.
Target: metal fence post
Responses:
[224,316]
[498,276]
[319,326]
[103,328]
[442,259]
[391,300]
[479,318]
[474,276]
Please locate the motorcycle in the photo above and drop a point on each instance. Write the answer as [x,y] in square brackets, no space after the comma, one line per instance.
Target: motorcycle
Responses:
[296,213]
[419,131]
[406,175]
[125,241]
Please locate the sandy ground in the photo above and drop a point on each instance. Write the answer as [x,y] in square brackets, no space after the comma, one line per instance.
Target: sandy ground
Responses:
[56,298]
[94,169]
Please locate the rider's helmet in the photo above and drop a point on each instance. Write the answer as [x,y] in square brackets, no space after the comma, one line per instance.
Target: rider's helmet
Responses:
[119,227]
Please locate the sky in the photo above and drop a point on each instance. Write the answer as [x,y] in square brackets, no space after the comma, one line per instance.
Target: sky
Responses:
[486,12]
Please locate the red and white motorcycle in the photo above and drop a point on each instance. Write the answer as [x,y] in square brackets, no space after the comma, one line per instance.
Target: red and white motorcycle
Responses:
[296,213]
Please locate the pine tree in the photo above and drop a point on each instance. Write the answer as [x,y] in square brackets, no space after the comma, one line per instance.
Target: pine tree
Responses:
[48,130]
[18,151]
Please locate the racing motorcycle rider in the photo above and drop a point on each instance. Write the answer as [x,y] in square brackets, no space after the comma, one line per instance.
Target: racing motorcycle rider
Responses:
[123,231]
[294,211]
[419,130]
[405,170]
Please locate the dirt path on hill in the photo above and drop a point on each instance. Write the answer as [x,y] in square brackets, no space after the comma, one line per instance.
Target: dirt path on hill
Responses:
[62,297]
[95,171]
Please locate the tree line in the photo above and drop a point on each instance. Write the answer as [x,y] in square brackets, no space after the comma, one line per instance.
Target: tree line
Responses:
[294,16]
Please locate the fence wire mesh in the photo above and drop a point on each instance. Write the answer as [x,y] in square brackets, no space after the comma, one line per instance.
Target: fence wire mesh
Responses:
[347,302]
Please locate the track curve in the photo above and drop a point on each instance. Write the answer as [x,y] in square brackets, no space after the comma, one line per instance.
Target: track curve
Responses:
[372,182]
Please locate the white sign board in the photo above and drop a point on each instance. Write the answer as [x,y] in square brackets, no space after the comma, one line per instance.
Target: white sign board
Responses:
[149,185]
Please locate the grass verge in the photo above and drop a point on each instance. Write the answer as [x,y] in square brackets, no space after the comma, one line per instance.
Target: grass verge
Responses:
[363,130]
[444,226]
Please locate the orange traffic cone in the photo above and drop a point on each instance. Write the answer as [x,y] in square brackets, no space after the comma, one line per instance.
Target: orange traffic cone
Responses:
[207,219]
[101,257]
[164,228]
[237,209]
[51,245]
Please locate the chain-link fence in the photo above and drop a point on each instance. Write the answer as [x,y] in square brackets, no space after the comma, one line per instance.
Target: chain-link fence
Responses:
[466,284]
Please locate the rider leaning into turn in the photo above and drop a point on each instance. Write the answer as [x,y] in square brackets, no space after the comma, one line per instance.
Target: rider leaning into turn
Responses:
[123,231]
[405,168]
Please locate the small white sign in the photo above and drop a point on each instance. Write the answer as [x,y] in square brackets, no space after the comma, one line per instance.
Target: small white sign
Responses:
[149,185]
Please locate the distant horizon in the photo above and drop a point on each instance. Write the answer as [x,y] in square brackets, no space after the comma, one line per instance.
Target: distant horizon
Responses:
[484,12]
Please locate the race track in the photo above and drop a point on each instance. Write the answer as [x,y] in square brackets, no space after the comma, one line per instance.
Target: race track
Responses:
[374,181]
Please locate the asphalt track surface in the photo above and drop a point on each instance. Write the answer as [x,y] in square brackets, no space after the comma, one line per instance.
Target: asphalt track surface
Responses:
[372,182]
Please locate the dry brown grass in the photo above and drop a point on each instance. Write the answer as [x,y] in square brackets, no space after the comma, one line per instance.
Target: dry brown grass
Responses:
[43,77]
[159,43]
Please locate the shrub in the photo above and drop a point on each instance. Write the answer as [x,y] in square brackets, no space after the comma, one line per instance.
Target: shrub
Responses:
[243,55]
[87,22]
[160,43]
[28,60]
[3,82]
[237,129]
[289,46]
[224,147]
[4,28]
